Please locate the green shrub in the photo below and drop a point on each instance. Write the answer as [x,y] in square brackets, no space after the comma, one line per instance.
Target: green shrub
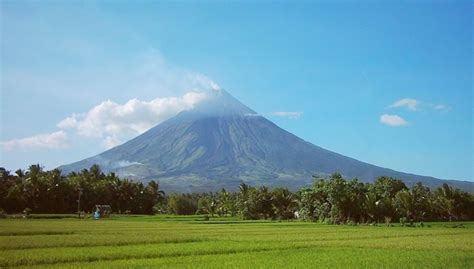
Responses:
[3,214]
[26,212]
[403,221]
[181,205]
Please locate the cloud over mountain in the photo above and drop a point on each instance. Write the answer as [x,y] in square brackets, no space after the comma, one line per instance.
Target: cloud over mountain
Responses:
[113,122]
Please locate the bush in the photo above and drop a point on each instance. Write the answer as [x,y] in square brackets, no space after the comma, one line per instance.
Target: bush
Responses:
[181,205]
[26,212]
[351,223]
[3,214]
[403,221]
[159,209]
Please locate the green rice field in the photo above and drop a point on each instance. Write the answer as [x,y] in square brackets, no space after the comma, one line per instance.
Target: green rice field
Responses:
[191,242]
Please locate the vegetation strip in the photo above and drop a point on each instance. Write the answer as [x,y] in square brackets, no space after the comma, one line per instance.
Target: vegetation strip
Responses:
[153,256]
[334,200]
[27,233]
[176,241]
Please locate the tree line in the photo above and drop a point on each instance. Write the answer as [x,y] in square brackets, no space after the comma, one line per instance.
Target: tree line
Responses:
[42,191]
[332,200]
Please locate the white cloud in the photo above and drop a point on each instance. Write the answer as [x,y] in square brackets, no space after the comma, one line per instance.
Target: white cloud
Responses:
[252,115]
[416,105]
[441,107]
[146,75]
[53,140]
[113,123]
[124,163]
[409,103]
[393,120]
[288,114]
[111,141]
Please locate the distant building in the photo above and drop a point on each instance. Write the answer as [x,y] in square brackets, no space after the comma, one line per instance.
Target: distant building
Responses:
[103,211]
[296,214]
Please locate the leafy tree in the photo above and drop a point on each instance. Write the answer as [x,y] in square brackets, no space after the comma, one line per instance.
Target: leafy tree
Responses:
[405,204]
[283,203]
[181,204]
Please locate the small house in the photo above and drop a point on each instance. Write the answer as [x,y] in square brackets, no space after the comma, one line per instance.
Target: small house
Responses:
[103,211]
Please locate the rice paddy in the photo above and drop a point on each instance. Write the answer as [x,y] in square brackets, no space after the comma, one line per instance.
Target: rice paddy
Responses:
[191,242]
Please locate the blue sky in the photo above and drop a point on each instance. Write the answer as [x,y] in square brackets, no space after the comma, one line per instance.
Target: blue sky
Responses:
[386,83]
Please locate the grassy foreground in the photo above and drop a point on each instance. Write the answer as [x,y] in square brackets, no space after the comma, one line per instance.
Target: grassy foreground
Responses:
[189,242]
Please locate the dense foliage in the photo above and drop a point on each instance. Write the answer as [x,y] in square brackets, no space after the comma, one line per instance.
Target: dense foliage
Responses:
[50,192]
[333,200]
[339,201]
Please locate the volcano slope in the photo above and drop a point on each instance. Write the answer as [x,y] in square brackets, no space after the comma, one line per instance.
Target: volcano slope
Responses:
[221,142]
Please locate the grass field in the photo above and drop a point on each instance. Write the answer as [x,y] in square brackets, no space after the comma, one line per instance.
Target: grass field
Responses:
[190,242]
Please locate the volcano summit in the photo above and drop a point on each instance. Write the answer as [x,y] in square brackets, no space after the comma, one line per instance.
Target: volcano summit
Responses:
[220,142]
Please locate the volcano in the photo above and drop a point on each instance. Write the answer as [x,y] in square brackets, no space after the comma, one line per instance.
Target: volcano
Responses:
[220,143]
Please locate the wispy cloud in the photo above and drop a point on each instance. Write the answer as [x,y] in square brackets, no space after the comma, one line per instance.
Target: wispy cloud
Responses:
[142,74]
[393,120]
[409,103]
[47,141]
[440,107]
[113,123]
[288,114]
[417,105]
